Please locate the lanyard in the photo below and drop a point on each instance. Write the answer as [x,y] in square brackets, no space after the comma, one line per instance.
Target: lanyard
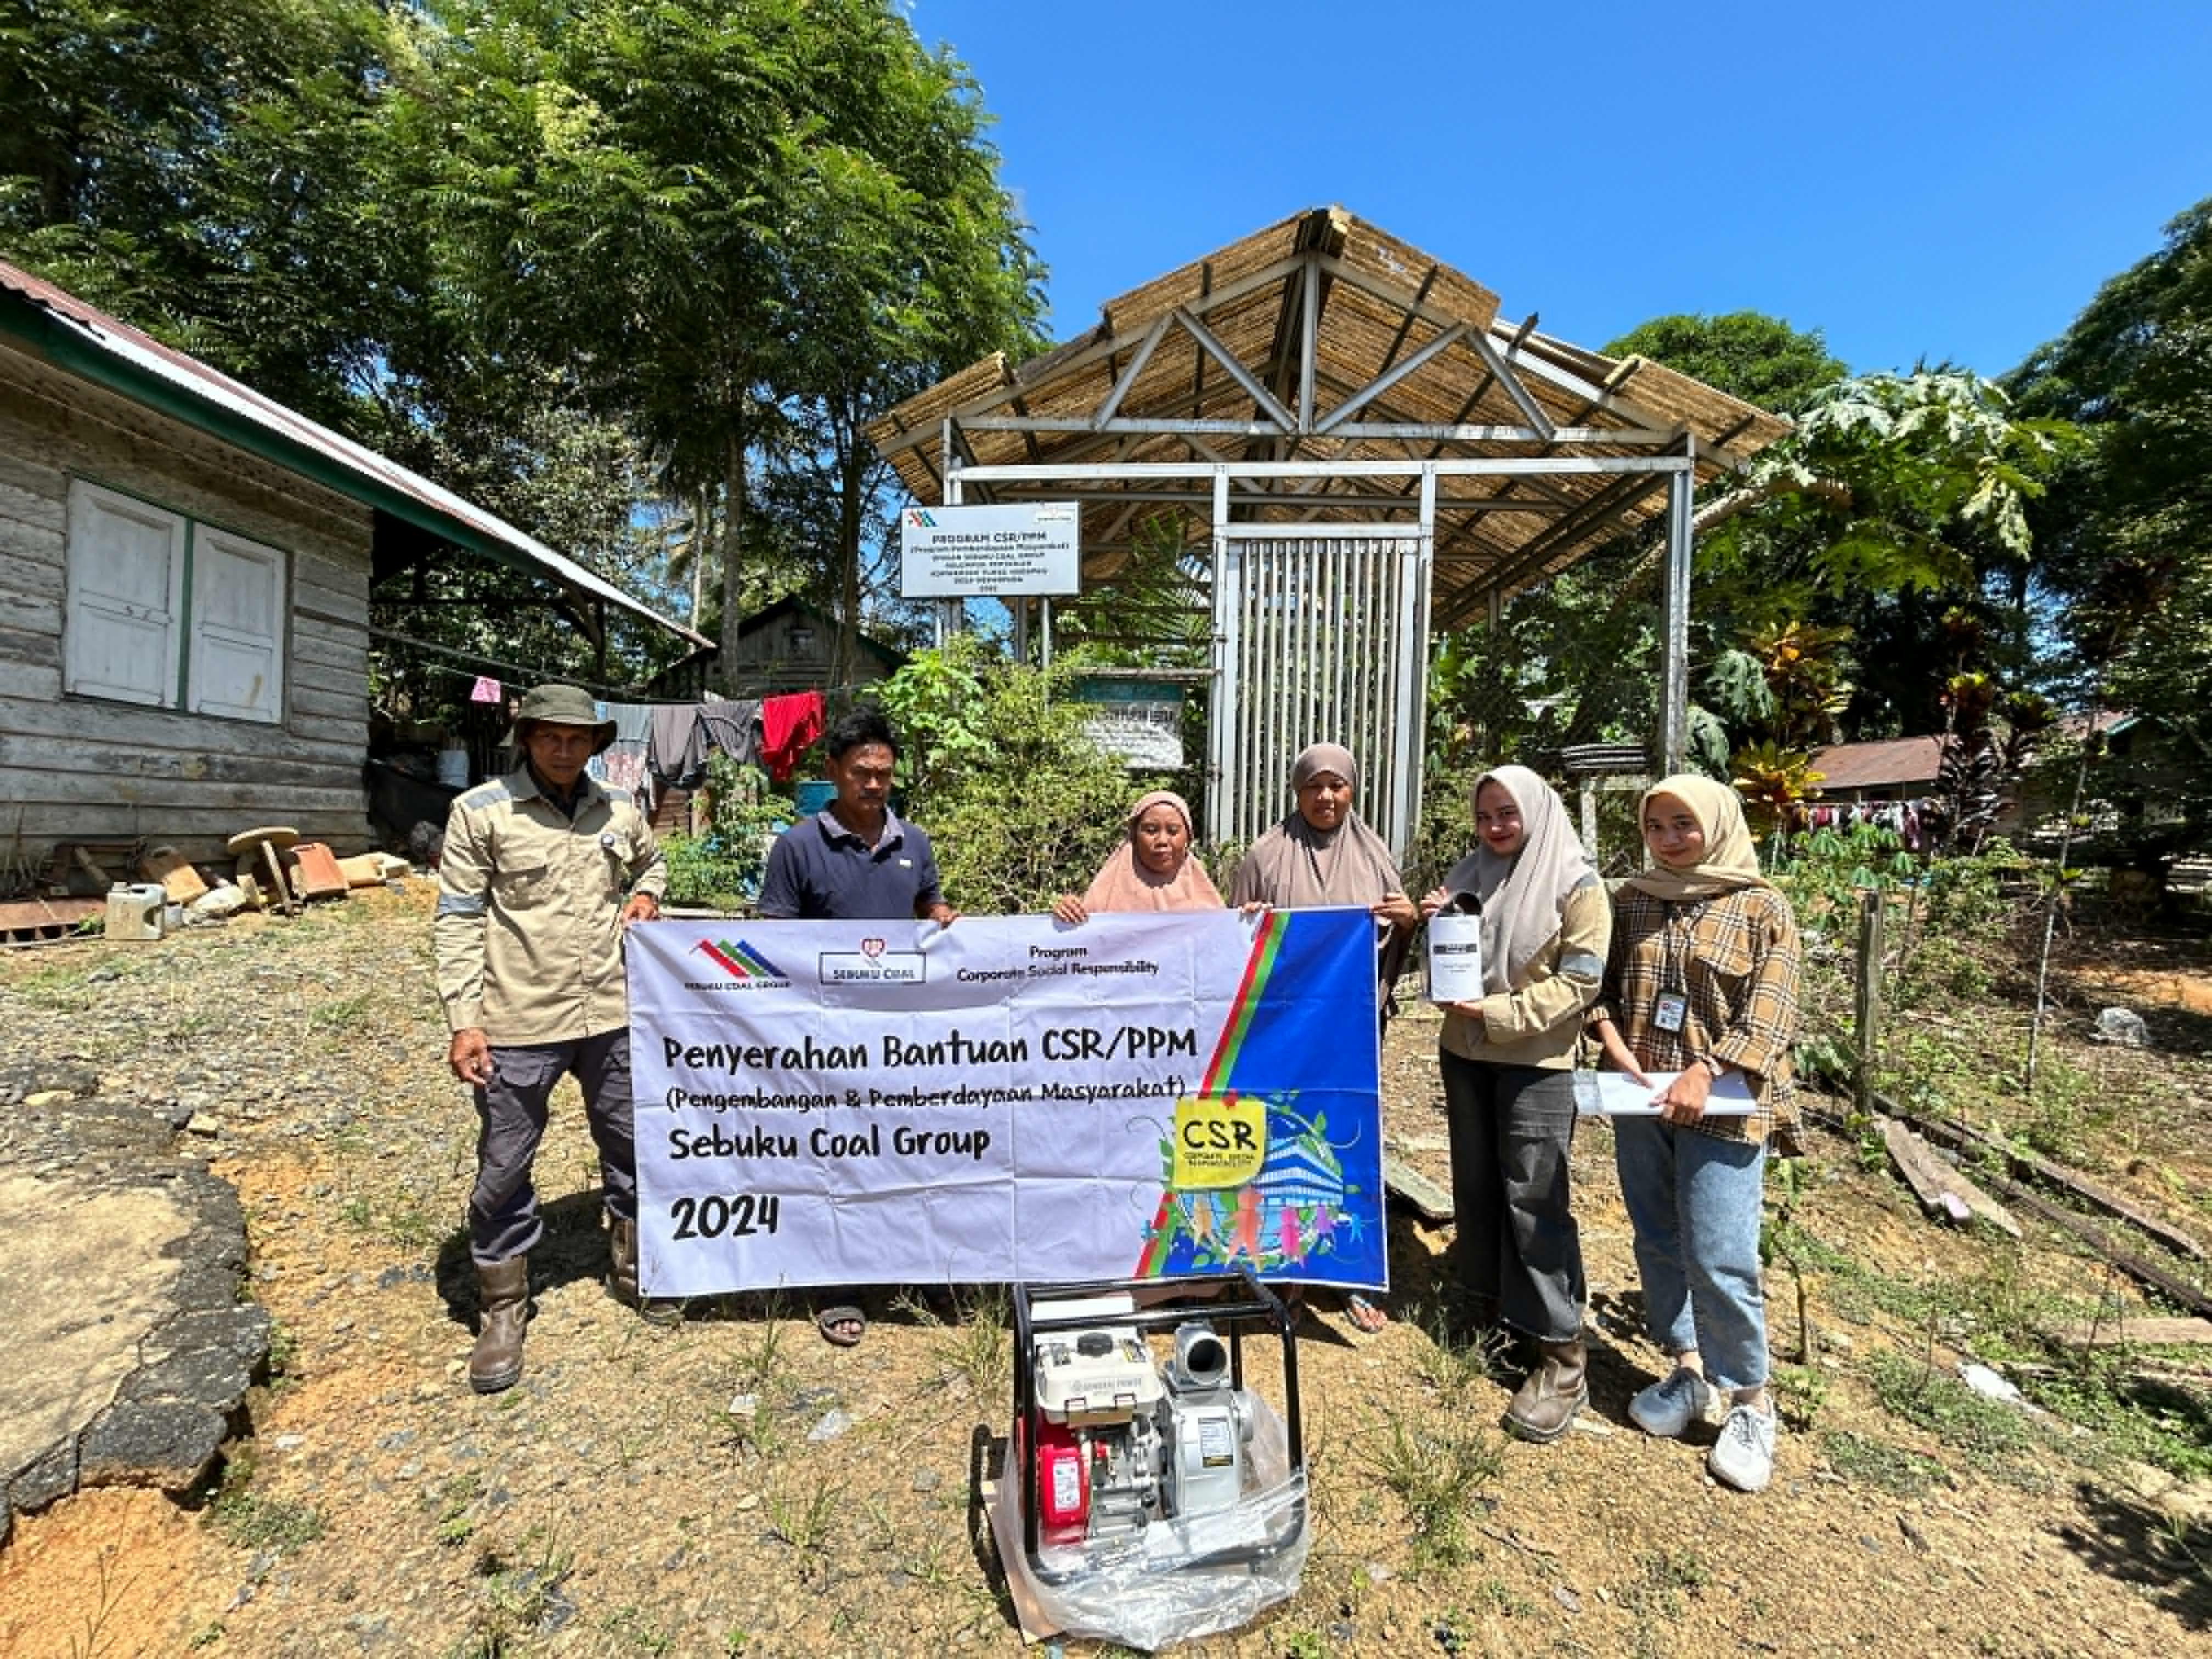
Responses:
[1674,956]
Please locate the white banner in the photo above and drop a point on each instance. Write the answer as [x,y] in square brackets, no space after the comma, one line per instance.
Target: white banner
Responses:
[857,1102]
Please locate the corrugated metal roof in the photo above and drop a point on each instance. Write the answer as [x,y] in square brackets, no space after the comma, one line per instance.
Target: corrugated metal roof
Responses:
[471,525]
[1876,765]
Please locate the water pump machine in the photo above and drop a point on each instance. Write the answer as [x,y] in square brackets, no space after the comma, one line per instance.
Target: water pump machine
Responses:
[1137,1444]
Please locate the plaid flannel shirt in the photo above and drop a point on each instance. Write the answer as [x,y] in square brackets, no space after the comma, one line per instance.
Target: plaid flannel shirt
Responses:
[1737,959]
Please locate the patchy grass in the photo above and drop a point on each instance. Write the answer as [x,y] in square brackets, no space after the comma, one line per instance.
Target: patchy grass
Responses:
[979,1343]
[1869,1461]
[254,1522]
[1665,1578]
[341,1014]
[1437,1469]
[1995,1437]
[1453,1364]
[2161,1420]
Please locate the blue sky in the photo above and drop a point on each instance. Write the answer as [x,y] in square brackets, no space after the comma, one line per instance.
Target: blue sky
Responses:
[1940,178]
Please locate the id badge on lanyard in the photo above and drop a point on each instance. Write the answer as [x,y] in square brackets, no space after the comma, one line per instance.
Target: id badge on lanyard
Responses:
[1672,1005]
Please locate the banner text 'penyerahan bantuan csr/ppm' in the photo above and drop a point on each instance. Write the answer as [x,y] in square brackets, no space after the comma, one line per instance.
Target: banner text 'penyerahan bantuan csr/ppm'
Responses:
[955,1050]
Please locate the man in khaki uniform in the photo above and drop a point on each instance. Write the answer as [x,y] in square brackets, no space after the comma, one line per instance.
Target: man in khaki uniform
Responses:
[542,871]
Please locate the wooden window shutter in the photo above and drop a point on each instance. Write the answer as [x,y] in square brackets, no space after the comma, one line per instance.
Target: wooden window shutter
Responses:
[237,667]
[126,581]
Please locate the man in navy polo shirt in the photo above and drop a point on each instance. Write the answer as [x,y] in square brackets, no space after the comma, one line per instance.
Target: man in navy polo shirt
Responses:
[854,860]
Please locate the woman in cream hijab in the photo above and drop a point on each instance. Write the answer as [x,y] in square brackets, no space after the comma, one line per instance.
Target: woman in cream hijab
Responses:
[1323,855]
[1152,869]
[1701,986]
[1507,1060]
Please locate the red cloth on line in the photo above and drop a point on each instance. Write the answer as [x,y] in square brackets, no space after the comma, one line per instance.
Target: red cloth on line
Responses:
[788,725]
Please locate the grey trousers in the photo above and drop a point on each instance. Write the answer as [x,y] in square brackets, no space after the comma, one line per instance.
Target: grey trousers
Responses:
[1516,1248]
[503,1220]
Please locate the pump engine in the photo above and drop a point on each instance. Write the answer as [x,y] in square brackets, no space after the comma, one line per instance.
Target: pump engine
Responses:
[1123,1441]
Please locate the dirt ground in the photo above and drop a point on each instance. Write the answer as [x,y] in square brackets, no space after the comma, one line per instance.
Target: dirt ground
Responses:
[613,1504]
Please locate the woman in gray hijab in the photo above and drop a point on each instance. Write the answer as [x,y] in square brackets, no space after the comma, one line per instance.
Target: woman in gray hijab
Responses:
[1323,855]
[1509,1083]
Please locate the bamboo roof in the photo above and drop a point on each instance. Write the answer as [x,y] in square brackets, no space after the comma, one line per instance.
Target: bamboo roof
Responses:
[1381,305]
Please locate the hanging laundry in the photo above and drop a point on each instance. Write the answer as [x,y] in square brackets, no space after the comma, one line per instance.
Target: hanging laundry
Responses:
[621,765]
[733,726]
[788,725]
[675,752]
[486,689]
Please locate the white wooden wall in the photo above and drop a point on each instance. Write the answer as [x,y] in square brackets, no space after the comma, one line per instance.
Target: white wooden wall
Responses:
[74,768]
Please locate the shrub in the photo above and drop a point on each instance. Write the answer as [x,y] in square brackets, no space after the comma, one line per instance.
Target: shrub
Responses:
[1020,806]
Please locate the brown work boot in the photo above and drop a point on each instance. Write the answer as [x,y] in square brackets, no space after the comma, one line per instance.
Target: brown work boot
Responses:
[503,1302]
[1544,1407]
[622,1276]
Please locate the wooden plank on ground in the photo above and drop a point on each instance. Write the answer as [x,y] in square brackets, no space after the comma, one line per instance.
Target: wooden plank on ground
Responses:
[2155,1332]
[2168,1285]
[1941,1189]
[1426,1199]
[1965,1137]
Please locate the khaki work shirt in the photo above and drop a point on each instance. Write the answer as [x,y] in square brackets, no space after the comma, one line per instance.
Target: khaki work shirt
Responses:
[528,933]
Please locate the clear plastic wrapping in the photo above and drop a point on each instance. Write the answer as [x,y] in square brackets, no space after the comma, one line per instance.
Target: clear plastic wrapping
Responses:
[1178,1579]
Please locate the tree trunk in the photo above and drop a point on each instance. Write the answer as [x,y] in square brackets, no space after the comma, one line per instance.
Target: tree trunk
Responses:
[845,661]
[703,521]
[733,530]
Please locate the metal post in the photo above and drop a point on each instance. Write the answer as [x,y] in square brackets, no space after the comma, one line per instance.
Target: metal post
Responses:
[1414,676]
[946,612]
[1221,709]
[1675,687]
[1044,624]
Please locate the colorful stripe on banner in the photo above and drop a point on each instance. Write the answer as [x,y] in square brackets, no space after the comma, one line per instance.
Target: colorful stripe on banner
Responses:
[1266,946]
[737,958]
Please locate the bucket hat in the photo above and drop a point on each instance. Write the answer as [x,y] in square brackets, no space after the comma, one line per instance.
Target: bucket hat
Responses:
[560,705]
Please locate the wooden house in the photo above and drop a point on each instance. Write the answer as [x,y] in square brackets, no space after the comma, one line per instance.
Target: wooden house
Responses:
[184,575]
[792,646]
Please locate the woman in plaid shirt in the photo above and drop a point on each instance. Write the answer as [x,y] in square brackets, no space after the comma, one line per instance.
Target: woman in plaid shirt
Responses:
[1702,982]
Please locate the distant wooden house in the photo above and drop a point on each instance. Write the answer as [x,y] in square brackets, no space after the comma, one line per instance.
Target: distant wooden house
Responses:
[1887,769]
[793,646]
[185,572]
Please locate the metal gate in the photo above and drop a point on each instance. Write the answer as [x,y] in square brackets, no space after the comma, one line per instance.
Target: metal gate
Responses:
[1321,635]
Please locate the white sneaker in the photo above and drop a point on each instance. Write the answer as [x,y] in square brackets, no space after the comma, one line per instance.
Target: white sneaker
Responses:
[1743,1457]
[1669,1406]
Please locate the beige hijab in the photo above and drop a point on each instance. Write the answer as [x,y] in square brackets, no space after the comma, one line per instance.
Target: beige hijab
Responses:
[1523,897]
[1295,866]
[1731,859]
[1124,883]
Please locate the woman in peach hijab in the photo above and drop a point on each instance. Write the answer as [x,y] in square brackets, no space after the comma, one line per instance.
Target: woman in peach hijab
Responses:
[1152,869]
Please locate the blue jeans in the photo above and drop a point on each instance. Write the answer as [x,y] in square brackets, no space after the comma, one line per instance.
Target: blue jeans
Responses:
[1694,1201]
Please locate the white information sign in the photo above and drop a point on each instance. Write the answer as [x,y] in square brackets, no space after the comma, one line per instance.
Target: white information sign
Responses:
[990,552]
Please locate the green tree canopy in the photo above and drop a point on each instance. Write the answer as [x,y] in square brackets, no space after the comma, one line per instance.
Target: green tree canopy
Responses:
[2124,544]
[195,166]
[1746,354]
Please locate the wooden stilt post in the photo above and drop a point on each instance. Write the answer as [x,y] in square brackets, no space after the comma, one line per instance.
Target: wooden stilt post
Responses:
[1868,1010]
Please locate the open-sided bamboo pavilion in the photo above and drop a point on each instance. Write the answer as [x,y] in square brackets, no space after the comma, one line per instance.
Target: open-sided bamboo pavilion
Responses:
[1373,455]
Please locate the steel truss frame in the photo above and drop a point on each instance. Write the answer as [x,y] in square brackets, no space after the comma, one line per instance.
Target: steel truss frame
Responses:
[1406,504]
